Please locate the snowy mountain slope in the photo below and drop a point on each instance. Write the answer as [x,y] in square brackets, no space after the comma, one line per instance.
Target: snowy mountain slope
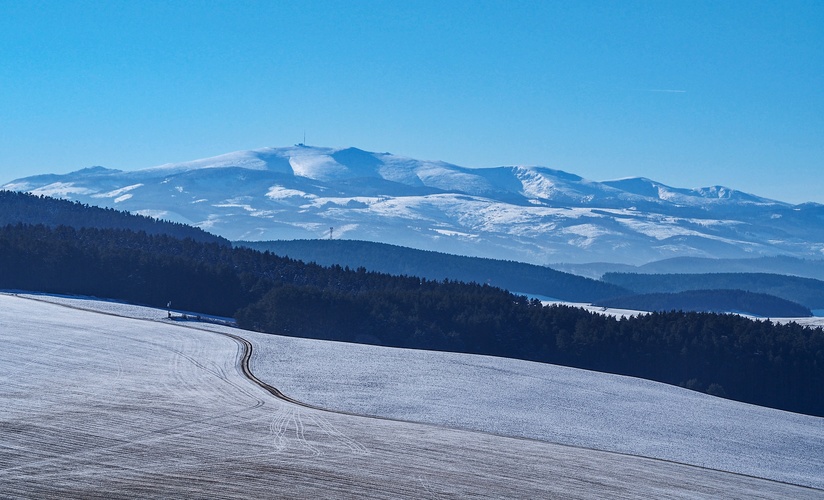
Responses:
[650,189]
[533,214]
[533,400]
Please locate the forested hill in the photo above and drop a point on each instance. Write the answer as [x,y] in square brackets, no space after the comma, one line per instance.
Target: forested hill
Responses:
[25,208]
[805,291]
[738,301]
[753,361]
[514,276]
[777,264]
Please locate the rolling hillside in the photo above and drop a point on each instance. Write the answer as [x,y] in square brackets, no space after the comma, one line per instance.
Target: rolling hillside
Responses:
[81,425]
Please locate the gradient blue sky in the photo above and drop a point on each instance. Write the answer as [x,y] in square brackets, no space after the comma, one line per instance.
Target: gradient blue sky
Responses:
[689,93]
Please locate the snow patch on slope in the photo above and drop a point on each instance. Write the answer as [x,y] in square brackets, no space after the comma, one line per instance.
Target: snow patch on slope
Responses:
[117,192]
[318,167]
[548,184]
[269,159]
[282,193]
[62,190]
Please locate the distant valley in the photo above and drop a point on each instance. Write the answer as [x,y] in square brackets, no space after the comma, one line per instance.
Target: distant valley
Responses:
[759,294]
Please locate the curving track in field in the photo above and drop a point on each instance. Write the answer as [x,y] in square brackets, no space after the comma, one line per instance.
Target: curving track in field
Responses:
[100,406]
[243,364]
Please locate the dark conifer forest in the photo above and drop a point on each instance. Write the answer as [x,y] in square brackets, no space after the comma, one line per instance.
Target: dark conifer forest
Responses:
[25,208]
[780,366]
[392,259]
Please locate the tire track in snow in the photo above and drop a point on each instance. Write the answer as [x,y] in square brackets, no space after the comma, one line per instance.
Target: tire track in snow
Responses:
[291,424]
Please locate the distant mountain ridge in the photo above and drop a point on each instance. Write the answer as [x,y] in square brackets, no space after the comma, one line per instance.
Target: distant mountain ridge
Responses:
[526,213]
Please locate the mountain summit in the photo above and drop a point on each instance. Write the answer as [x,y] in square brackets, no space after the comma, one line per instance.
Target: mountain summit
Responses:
[528,213]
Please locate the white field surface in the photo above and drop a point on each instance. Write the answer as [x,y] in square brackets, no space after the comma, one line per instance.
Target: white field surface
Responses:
[102,405]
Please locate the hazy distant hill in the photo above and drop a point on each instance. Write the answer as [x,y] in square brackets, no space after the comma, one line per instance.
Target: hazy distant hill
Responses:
[805,291]
[720,301]
[779,264]
[514,276]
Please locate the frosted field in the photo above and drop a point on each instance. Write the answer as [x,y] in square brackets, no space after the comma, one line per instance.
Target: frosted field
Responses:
[547,402]
[100,405]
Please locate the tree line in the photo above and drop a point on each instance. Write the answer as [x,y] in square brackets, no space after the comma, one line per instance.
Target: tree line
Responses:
[26,208]
[392,259]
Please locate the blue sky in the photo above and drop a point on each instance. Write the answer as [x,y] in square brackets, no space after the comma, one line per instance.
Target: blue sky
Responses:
[689,93]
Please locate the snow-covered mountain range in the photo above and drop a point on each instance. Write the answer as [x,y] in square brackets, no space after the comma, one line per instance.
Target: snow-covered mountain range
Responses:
[526,213]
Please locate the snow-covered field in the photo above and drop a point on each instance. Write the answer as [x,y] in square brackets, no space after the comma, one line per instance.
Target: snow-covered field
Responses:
[495,395]
[547,402]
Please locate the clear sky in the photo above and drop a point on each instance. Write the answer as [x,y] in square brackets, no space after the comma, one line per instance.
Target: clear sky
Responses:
[689,93]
